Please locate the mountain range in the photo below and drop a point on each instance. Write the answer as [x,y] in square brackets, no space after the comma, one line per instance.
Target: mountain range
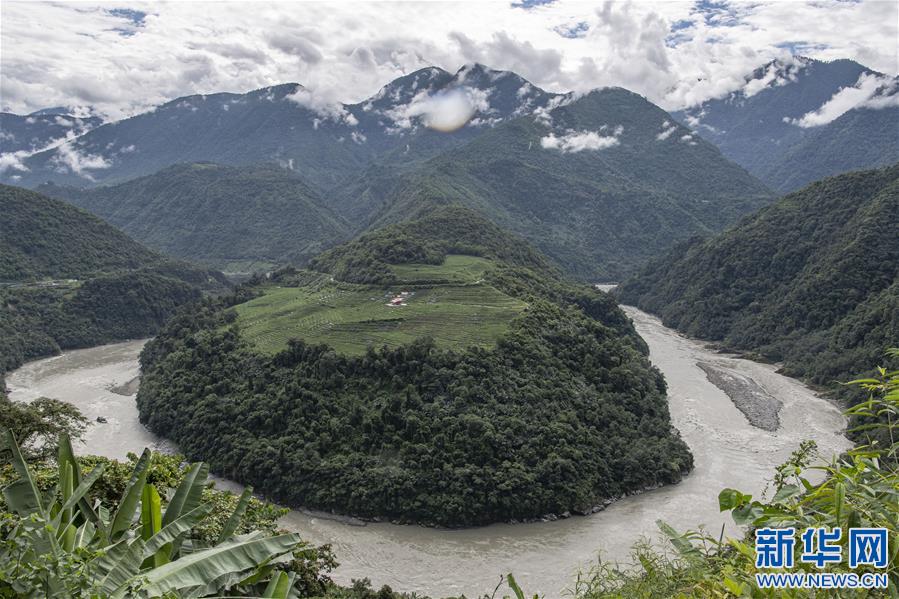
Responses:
[288,124]
[600,182]
[797,121]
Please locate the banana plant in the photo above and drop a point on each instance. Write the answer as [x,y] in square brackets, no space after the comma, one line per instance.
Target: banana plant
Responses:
[63,545]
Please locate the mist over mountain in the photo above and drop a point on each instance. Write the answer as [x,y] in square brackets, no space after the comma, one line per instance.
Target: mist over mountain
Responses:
[28,133]
[797,121]
[417,115]
[600,182]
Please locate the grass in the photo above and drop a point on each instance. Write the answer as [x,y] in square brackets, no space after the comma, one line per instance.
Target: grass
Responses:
[455,269]
[458,312]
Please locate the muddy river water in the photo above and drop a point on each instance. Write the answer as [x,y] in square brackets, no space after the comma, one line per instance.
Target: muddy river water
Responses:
[545,556]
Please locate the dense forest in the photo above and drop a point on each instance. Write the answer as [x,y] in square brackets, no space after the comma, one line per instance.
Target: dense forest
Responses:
[564,412]
[449,229]
[811,281]
[228,217]
[69,280]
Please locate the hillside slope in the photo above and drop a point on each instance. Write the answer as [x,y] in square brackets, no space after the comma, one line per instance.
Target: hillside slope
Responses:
[862,138]
[430,377]
[227,217]
[599,183]
[68,279]
[765,126]
[812,280]
[44,238]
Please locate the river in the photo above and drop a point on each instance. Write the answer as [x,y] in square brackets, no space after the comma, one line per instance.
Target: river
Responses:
[545,556]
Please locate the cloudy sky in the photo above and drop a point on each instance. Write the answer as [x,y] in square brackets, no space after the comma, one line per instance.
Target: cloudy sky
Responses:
[125,57]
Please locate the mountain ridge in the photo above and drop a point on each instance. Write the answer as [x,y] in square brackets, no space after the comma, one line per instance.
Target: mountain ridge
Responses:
[766,125]
[811,281]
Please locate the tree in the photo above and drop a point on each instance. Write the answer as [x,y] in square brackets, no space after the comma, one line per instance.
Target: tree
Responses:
[63,545]
[39,423]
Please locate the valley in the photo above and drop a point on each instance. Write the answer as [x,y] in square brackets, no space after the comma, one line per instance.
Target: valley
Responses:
[546,556]
[523,300]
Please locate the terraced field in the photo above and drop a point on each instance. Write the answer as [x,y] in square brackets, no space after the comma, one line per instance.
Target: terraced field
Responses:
[455,269]
[447,302]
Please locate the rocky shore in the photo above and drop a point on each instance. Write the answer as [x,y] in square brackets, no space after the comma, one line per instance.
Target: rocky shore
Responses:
[760,407]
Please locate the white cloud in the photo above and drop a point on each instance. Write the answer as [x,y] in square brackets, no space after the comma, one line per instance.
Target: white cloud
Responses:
[443,111]
[675,53]
[13,161]
[870,91]
[322,105]
[577,141]
[667,129]
[69,157]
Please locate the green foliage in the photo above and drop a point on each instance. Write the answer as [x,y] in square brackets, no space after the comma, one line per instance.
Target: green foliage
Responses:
[62,543]
[163,472]
[426,239]
[38,321]
[69,280]
[561,412]
[351,317]
[37,424]
[598,214]
[44,238]
[811,281]
[219,215]
[859,489]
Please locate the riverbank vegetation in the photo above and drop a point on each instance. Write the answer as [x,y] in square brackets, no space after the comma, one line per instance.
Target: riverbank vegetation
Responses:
[69,280]
[561,412]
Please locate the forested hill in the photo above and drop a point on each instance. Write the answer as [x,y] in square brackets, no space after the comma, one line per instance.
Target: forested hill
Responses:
[68,280]
[232,218]
[44,238]
[437,371]
[812,280]
[427,239]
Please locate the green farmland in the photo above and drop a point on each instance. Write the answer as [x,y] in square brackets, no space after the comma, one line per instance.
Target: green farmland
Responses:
[448,303]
